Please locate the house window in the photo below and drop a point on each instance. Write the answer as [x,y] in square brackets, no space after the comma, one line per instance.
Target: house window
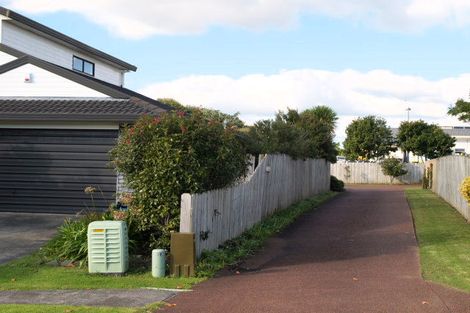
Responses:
[83,66]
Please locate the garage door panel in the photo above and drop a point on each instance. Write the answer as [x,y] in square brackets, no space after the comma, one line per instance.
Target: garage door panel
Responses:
[69,133]
[54,163]
[41,155]
[85,202]
[54,148]
[56,140]
[35,208]
[57,186]
[68,194]
[84,171]
[48,170]
[26,155]
[85,180]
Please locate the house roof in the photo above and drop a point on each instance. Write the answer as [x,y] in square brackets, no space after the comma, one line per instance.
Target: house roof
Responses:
[454,131]
[73,109]
[108,89]
[457,131]
[40,28]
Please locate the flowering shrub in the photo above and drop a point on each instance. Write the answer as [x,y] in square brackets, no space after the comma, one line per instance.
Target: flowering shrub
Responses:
[164,157]
[465,189]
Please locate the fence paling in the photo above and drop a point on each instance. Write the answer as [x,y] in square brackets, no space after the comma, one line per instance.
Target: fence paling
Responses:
[219,215]
[371,173]
[448,174]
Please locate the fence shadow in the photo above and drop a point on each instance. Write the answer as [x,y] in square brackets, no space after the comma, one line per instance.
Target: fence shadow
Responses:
[367,221]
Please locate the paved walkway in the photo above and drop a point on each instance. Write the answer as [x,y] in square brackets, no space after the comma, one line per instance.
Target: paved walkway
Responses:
[24,233]
[357,253]
[95,297]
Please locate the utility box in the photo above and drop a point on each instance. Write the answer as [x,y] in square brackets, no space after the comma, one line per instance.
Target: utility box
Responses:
[158,263]
[108,247]
[182,254]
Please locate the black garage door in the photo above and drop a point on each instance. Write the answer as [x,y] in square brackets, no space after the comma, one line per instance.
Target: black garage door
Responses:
[48,170]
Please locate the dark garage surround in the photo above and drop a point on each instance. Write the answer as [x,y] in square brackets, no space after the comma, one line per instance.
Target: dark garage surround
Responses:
[47,170]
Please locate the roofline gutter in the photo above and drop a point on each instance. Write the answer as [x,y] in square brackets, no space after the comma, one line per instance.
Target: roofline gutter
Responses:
[68,118]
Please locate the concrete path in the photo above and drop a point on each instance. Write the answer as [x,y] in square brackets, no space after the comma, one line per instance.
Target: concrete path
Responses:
[100,297]
[23,233]
[357,253]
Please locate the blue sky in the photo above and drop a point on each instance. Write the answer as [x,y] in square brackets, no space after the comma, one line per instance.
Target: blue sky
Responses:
[317,42]
[364,57]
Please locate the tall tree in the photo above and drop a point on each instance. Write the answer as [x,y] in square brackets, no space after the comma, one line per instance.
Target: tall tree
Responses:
[410,139]
[423,139]
[461,109]
[229,120]
[368,138]
[439,143]
[319,123]
[308,134]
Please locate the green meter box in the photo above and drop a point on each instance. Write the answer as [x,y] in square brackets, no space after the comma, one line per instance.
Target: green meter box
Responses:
[108,250]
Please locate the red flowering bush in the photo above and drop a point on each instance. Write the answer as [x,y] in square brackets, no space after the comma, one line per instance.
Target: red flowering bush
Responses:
[164,157]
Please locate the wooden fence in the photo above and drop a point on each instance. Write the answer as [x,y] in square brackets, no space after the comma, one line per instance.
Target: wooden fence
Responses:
[447,175]
[279,181]
[371,173]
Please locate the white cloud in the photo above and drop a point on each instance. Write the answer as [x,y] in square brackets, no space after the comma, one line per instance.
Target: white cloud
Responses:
[350,93]
[142,18]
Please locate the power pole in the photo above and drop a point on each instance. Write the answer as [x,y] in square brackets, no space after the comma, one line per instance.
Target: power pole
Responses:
[408,113]
[406,156]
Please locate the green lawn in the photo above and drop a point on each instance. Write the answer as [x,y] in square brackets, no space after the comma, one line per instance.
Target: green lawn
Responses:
[26,308]
[444,239]
[19,308]
[29,274]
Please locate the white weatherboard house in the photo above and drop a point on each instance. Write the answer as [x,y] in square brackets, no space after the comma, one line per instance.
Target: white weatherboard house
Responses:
[462,142]
[62,104]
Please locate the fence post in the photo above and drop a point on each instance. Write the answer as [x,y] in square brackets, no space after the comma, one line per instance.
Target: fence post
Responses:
[186,215]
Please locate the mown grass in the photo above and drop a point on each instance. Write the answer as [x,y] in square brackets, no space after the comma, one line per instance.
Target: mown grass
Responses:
[444,239]
[31,308]
[30,273]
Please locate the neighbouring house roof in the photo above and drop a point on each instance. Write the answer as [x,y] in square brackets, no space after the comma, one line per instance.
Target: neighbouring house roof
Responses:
[454,131]
[108,89]
[40,28]
[74,109]
[458,131]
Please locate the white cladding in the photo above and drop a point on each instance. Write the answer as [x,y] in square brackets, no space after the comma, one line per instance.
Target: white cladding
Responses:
[31,81]
[51,51]
[463,142]
[5,58]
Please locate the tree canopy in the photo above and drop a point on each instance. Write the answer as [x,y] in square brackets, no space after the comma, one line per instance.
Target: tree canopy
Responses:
[368,138]
[424,139]
[308,134]
[461,109]
[229,120]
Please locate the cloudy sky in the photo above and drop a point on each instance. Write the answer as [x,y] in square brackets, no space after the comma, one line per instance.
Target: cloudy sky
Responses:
[255,57]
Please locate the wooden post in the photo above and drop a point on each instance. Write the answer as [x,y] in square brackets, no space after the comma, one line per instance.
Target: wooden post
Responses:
[186,215]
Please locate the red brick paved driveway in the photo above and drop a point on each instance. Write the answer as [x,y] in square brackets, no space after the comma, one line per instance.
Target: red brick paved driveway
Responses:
[357,253]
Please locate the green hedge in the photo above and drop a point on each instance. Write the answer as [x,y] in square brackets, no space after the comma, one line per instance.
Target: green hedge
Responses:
[164,157]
